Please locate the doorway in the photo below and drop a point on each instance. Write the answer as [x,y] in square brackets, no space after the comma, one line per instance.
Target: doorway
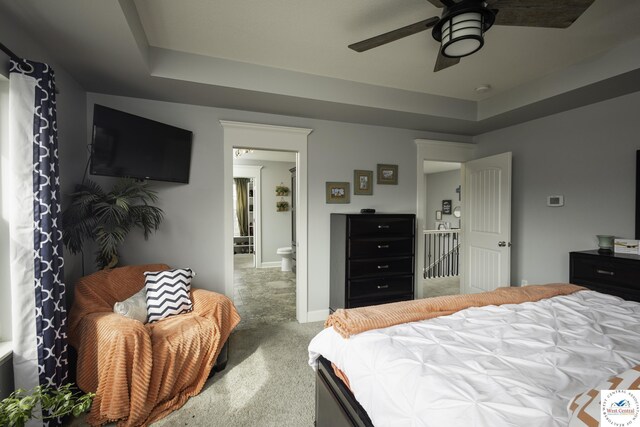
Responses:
[435,151]
[264,279]
[485,214]
[242,135]
[246,213]
[442,233]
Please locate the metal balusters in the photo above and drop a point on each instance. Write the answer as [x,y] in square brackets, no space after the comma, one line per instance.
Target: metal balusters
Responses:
[442,253]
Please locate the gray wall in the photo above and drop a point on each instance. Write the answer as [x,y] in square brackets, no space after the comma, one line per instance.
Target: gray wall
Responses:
[71,114]
[192,232]
[442,186]
[587,155]
[276,226]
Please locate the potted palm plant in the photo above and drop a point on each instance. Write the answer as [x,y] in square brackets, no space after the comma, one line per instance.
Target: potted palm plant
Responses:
[107,217]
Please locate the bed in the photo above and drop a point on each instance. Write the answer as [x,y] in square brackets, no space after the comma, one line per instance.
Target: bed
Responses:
[513,364]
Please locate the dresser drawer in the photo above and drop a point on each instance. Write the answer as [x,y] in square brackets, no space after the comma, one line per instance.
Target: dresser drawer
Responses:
[379,267]
[379,226]
[380,287]
[378,301]
[380,247]
[604,271]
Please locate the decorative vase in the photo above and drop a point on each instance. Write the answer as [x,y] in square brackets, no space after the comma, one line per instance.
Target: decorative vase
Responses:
[605,243]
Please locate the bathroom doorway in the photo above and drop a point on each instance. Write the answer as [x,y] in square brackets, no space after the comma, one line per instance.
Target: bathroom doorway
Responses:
[264,278]
[259,136]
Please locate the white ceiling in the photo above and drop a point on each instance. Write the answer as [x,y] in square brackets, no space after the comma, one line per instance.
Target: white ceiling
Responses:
[311,36]
[291,58]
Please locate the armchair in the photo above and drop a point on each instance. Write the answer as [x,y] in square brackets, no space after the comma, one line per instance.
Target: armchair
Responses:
[142,372]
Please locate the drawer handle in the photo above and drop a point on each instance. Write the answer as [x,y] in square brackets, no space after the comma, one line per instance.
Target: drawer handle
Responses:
[608,273]
[383,286]
[383,226]
[383,246]
[383,267]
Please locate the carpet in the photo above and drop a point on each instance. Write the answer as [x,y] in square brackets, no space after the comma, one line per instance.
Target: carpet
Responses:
[267,382]
[264,296]
[441,286]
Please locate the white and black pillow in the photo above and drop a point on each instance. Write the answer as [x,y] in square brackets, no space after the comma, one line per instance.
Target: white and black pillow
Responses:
[168,292]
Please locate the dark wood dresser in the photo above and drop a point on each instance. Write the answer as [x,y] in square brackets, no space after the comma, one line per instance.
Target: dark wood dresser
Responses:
[372,259]
[614,274]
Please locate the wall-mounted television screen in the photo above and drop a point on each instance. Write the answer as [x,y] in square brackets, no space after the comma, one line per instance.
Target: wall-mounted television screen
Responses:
[125,145]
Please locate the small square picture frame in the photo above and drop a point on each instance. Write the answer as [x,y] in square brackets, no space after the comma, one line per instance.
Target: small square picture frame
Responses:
[338,192]
[438,215]
[387,174]
[362,182]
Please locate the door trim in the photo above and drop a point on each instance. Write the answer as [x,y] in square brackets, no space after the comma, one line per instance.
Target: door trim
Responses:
[268,137]
[444,151]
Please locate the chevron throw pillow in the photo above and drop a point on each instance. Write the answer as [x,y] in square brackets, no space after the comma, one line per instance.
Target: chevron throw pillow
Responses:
[168,292]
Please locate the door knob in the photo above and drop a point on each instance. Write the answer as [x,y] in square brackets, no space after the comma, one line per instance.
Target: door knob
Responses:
[502,244]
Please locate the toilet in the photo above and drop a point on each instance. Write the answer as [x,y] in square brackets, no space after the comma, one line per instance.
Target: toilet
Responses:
[286,254]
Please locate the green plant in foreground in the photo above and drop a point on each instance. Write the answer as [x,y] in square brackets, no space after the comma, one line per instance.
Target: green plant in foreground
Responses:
[19,407]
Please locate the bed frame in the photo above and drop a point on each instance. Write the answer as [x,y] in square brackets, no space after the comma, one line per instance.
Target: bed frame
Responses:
[336,406]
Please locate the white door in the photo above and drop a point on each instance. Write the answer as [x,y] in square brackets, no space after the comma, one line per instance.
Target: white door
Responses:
[486,255]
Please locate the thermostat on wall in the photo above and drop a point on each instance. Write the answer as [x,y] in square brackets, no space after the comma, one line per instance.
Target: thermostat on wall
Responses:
[555,201]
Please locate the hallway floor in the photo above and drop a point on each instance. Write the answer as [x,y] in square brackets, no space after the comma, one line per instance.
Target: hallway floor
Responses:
[262,296]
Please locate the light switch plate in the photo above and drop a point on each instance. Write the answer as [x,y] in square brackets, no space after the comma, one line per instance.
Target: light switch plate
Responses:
[555,201]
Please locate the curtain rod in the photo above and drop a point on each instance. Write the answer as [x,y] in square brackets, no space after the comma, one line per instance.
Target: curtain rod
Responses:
[15,57]
[10,53]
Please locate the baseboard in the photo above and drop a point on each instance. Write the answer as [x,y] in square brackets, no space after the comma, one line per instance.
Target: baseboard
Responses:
[271,264]
[317,315]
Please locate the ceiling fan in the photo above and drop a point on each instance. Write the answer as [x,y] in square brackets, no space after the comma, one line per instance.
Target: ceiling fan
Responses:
[460,30]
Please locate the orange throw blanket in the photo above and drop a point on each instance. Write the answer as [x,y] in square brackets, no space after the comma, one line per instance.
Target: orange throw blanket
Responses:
[142,372]
[356,320]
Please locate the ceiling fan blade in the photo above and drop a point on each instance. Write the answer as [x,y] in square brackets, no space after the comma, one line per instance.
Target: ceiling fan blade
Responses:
[394,35]
[539,13]
[436,3]
[444,62]
[443,3]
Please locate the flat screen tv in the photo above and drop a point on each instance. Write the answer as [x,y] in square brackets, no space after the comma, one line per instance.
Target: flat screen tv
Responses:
[125,145]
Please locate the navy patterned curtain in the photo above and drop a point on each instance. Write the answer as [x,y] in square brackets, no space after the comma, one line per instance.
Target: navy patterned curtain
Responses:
[38,289]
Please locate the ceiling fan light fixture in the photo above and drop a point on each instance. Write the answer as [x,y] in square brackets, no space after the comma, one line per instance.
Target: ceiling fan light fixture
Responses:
[462,35]
[462,26]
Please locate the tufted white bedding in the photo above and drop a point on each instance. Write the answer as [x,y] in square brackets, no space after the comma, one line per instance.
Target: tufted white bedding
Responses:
[512,365]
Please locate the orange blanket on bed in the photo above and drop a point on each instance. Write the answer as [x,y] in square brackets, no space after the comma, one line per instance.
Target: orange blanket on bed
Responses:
[142,372]
[355,320]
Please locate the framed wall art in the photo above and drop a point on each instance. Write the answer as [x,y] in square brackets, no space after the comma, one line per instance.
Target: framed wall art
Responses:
[362,182]
[338,192]
[446,207]
[387,174]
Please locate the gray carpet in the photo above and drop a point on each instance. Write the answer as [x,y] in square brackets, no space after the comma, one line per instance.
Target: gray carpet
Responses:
[264,296]
[441,286]
[266,383]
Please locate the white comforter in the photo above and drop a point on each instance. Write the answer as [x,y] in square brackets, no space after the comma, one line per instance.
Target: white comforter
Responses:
[513,365]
